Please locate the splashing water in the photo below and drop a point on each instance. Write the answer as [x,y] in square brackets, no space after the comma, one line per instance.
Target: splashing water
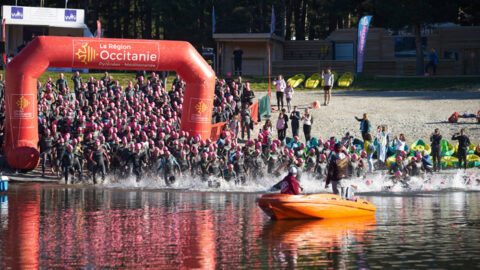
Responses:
[373,183]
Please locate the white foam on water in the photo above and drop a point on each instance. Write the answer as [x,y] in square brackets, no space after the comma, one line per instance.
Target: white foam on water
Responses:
[373,183]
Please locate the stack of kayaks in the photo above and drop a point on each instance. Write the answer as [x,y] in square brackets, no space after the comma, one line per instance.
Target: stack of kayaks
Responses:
[447,148]
[345,80]
[282,206]
[452,162]
[449,162]
[473,160]
[470,150]
[313,81]
[418,146]
[296,80]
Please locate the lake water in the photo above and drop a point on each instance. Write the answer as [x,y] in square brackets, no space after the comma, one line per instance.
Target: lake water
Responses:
[55,226]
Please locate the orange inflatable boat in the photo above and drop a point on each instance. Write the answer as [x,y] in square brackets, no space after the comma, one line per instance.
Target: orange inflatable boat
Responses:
[282,206]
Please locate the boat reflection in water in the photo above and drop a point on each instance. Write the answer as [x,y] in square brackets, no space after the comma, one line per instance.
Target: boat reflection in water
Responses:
[327,242]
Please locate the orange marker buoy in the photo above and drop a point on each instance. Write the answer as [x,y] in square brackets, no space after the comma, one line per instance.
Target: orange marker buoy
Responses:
[316,105]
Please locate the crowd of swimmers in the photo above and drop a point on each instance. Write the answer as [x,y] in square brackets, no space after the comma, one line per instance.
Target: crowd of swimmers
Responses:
[99,128]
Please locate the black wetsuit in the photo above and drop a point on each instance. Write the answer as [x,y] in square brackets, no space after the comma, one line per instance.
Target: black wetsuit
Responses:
[169,166]
[100,157]
[436,140]
[46,144]
[137,160]
[239,168]
[67,164]
[214,169]
[78,161]
[463,143]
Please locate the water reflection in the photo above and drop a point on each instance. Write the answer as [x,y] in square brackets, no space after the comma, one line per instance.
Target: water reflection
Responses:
[314,242]
[65,227]
[21,237]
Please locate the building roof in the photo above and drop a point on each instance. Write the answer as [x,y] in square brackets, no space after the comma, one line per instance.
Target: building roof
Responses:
[246,37]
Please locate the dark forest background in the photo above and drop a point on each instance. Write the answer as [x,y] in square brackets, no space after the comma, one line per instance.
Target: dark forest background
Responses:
[191,20]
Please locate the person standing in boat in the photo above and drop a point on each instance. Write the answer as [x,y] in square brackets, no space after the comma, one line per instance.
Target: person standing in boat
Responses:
[290,184]
[337,168]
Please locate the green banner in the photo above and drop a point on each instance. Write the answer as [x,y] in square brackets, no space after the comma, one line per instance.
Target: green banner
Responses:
[264,106]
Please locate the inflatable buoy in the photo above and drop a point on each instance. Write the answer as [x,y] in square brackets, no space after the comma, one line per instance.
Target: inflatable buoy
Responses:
[443,183]
[316,104]
[369,182]
[453,118]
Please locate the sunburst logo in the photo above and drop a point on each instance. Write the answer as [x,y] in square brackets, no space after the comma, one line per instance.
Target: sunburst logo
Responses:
[200,107]
[86,54]
[22,103]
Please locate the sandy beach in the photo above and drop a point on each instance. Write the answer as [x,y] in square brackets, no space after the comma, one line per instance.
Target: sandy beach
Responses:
[414,113]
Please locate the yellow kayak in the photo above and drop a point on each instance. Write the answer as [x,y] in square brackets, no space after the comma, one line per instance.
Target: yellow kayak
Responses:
[313,81]
[470,150]
[419,145]
[345,80]
[473,161]
[449,162]
[296,80]
[447,148]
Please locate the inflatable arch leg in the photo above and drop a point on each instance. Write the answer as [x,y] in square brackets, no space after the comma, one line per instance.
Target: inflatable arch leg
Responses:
[21,143]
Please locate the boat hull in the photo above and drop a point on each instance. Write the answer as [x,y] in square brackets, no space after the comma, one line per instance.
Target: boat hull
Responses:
[282,206]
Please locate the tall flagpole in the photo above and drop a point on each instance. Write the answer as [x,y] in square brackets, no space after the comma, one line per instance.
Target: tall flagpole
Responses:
[269,74]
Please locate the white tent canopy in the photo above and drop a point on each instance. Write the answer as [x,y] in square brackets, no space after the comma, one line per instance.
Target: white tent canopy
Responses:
[22,24]
[51,17]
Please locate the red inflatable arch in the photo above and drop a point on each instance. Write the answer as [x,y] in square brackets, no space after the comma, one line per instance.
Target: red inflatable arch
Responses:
[121,54]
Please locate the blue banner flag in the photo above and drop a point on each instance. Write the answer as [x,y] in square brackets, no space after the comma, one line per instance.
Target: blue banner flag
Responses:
[272,22]
[213,20]
[362,39]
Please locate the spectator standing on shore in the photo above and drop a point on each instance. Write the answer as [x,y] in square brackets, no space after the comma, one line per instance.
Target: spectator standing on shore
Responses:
[433,62]
[383,138]
[328,79]
[295,119]
[365,126]
[247,95]
[289,95]
[347,141]
[237,60]
[282,125]
[268,126]
[281,85]
[307,125]
[463,143]
[399,143]
[369,147]
[436,140]
[235,127]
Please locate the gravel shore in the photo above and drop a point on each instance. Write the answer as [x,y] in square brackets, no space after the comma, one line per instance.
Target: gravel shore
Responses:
[414,113]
